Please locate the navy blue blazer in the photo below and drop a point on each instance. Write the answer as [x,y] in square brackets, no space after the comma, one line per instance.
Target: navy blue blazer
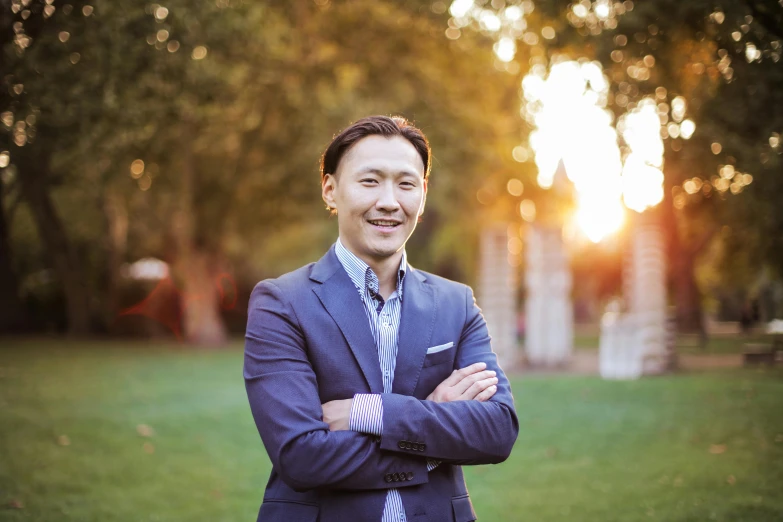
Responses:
[308,341]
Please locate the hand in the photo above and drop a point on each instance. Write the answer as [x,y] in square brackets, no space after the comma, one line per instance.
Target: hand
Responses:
[466,384]
[337,414]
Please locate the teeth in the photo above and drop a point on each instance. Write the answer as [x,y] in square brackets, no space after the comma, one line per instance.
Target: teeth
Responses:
[384,223]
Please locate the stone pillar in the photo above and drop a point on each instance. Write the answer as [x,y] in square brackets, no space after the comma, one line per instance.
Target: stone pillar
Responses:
[549,317]
[647,291]
[621,347]
[497,293]
[635,343]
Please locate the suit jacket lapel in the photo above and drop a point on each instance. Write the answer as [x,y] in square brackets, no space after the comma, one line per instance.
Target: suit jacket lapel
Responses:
[419,305]
[342,301]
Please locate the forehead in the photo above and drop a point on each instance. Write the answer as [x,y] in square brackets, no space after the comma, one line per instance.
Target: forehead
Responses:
[385,154]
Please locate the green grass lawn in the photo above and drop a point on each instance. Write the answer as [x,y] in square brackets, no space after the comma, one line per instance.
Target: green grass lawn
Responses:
[681,448]
[690,343]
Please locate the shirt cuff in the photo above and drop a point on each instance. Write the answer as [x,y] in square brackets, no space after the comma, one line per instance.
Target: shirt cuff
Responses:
[366,414]
[432,464]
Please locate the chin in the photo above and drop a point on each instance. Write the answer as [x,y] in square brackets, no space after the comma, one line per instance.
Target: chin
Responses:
[383,251]
[384,248]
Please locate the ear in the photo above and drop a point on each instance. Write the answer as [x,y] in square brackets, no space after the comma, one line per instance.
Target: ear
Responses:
[328,185]
[424,198]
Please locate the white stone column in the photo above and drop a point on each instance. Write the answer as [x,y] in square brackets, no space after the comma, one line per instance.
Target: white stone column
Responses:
[620,347]
[549,318]
[496,293]
[647,293]
[635,343]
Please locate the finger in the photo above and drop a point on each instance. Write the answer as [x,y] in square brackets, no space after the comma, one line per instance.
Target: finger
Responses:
[486,394]
[457,375]
[462,386]
[478,387]
[468,381]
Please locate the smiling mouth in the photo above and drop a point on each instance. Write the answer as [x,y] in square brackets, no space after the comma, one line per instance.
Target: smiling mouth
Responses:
[384,224]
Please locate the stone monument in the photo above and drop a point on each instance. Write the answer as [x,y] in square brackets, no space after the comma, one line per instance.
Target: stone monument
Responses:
[634,343]
[497,293]
[549,318]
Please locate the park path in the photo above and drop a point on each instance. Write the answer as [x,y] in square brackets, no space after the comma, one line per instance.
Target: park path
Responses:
[585,362]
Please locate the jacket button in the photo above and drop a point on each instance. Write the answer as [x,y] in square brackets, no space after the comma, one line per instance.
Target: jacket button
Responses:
[388,477]
[409,475]
[401,444]
[423,446]
[397,477]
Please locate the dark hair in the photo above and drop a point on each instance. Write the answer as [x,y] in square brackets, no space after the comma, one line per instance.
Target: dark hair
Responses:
[375,125]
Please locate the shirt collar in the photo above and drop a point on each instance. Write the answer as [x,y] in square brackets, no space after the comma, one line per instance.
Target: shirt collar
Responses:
[362,276]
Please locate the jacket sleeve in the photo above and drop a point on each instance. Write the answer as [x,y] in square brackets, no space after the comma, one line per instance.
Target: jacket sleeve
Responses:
[367,417]
[283,394]
[459,432]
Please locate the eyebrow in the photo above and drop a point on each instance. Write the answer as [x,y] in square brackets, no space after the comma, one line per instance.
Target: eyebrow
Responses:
[380,172]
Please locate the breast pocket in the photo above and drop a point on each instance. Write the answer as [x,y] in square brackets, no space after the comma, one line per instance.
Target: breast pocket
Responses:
[439,354]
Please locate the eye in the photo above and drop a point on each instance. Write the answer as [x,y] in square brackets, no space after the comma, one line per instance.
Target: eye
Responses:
[368,180]
[408,184]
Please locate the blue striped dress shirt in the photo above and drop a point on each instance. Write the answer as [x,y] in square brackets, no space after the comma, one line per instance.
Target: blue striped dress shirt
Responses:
[367,409]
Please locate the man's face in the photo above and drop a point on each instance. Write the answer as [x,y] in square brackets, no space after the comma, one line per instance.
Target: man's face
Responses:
[379,192]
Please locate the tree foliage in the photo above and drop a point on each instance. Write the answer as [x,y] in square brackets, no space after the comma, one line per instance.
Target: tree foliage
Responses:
[722,185]
[192,132]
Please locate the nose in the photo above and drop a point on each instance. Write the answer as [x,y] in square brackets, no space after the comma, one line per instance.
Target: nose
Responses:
[387,199]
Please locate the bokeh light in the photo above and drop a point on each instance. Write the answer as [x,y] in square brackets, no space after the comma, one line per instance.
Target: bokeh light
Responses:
[515,187]
[642,177]
[137,168]
[506,24]
[199,53]
[527,209]
[567,108]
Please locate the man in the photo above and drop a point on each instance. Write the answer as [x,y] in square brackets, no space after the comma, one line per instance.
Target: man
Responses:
[371,382]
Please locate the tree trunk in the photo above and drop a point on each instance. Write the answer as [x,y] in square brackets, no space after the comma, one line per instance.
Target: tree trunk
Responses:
[12,316]
[33,166]
[682,261]
[201,320]
[687,294]
[195,266]
[116,216]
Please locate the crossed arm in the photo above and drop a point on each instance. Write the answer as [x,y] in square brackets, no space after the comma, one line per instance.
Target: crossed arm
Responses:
[466,384]
[284,400]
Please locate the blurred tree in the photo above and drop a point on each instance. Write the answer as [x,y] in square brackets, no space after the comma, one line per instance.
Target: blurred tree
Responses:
[12,316]
[192,132]
[32,183]
[11,309]
[721,60]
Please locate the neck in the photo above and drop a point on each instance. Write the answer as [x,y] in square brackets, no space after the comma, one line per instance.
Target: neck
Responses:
[386,268]
[387,271]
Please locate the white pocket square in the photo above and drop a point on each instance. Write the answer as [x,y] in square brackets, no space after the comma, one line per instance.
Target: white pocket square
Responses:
[439,348]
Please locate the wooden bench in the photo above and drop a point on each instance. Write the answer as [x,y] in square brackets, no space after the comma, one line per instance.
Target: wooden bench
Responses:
[763,353]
